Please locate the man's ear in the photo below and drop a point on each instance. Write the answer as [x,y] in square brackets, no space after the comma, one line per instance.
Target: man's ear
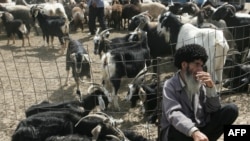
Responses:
[184,65]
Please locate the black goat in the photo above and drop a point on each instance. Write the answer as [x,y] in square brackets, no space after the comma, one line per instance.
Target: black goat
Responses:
[103,44]
[51,26]
[78,60]
[21,12]
[147,94]
[14,26]
[125,60]
[60,123]
[72,137]
[97,95]
[159,45]
[237,76]
[239,25]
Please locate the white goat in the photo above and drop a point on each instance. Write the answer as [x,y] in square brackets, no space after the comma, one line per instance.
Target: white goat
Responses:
[53,8]
[154,8]
[212,40]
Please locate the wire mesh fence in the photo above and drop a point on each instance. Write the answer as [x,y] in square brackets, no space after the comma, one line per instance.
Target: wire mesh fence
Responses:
[31,75]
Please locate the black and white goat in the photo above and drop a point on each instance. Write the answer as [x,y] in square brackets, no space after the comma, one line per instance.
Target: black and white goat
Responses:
[145,91]
[97,96]
[126,60]
[238,24]
[102,42]
[60,123]
[14,26]
[212,40]
[237,77]
[78,60]
[51,26]
[159,44]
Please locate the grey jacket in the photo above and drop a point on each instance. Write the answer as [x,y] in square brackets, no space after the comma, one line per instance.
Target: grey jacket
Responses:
[177,109]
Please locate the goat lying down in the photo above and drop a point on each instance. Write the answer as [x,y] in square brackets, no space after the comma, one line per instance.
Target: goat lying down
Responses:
[39,127]
[97,96]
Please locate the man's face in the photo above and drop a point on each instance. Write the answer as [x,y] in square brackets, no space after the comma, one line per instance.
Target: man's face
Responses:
[189,72]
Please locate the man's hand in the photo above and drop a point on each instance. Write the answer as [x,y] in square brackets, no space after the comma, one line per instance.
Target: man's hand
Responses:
[199,136]
[205,78]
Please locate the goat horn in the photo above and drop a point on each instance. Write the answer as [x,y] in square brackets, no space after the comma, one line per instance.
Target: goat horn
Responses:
[143,71]
[231,6]
[91,115]
[113,137]
[105,31]
[142,13]
[94,85]
[97,31]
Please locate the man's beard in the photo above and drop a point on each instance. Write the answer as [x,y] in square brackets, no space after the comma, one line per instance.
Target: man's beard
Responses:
[192,85]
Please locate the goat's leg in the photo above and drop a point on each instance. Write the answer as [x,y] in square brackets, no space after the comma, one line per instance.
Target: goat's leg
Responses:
[78,92]
[63,45]
[67,79]
[52,41]
[115,86]
[13,37]
[44,41]
[23,42]
[28,38]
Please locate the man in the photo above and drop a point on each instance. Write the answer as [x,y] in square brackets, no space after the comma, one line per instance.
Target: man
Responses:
[191,108]
[96,9]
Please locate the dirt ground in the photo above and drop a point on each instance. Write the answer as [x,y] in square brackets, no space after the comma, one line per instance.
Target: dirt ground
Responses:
[35,73]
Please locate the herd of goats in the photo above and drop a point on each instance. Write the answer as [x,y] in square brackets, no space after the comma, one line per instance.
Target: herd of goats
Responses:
[155,30]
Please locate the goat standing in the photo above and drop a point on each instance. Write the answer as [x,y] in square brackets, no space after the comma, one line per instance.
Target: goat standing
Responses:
[14,26]
[78,59]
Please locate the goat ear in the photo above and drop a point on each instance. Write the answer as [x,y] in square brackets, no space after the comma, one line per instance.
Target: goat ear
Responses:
[96,131]
[73,56]
[101,103]
[36,13]
[86,57]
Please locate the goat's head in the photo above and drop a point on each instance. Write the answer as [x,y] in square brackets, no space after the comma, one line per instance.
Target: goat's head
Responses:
[105,127]
[102,94]
[136,20]
[6,16]
[190,7]
[100,41]
[226,10]
[79,59]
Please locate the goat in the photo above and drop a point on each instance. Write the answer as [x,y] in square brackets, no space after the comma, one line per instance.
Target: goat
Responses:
[146,92]
[238,23]
[103,44]
[78,59]
[14,26]
[51,26]
[21,12]
[237,76]
[78,18]
[163,48]
[71,137]
[126,60]
[53,8]
[179,8]
[154,8]
[97,95]
[43,125]
[128,11]
[212,40]
[116,15]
